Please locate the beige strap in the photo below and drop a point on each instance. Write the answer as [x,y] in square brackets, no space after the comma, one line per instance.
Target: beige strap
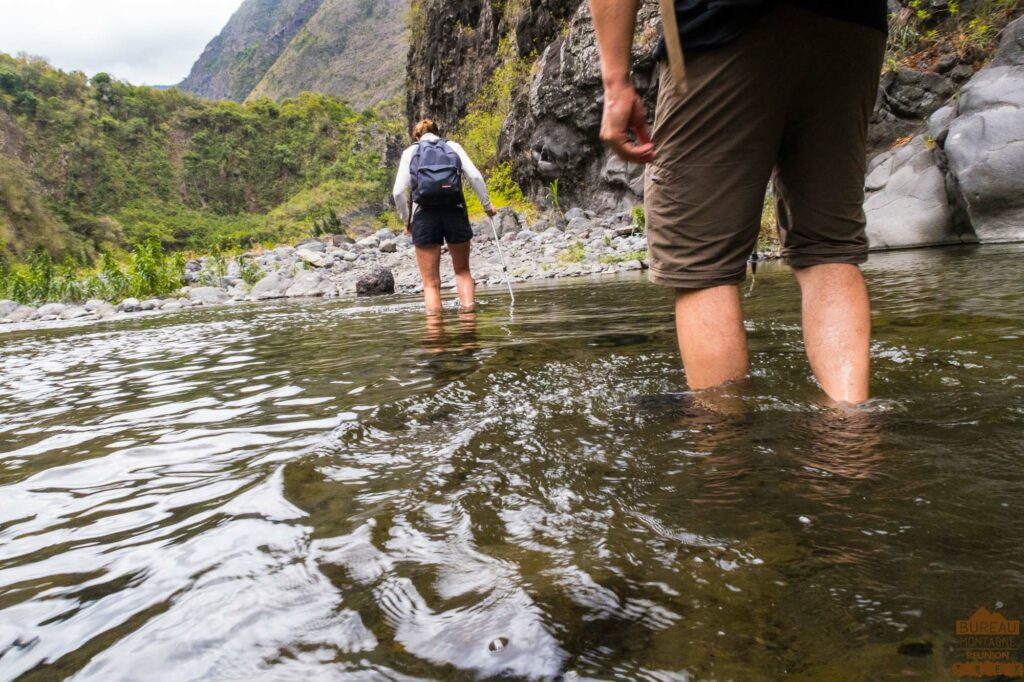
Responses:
[676,62]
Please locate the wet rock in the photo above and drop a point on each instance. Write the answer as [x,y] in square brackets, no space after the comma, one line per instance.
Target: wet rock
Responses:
[984,146]
[313,283]
[129,305]
[52,310]
[208,295]
[906,202]
[274,285]
[376,282]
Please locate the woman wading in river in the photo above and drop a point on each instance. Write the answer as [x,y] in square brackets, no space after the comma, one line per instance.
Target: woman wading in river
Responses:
[435,212]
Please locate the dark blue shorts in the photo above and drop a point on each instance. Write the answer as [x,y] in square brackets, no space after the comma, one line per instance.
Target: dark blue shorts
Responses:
[435,226]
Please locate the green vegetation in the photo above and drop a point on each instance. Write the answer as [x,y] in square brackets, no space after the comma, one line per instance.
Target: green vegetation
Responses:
[573,254]
[148,271]
[768,236]
[93,165]
[639,219]
[639,255]
[970,27]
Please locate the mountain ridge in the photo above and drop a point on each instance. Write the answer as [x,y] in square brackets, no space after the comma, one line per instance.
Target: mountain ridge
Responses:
[352,49]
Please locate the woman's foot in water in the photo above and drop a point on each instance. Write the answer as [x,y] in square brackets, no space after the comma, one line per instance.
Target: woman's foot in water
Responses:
[468,308]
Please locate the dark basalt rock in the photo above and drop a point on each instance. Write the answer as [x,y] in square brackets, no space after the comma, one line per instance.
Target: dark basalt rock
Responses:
[377,282]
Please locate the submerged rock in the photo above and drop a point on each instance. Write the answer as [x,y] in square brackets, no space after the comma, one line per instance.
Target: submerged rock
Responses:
[376,282]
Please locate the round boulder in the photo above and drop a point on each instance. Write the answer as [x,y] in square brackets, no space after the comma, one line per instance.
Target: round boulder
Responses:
[377,282]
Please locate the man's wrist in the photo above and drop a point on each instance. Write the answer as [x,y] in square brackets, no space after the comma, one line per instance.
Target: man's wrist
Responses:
[617,80]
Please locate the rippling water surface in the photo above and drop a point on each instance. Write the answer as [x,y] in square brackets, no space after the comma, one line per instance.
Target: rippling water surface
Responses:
[338,490]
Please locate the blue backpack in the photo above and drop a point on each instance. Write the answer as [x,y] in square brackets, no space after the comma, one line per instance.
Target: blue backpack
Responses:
[436,172]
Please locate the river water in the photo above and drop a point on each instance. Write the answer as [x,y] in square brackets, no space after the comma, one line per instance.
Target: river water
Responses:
[339,490]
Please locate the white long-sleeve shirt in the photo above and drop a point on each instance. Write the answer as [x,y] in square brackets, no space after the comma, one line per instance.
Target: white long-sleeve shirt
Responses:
[404,179]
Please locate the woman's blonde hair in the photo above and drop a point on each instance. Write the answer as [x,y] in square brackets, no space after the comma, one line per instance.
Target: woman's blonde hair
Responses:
[423,127]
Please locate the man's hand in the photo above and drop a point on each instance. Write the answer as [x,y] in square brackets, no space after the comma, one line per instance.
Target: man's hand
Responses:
[491,212]
[625,114]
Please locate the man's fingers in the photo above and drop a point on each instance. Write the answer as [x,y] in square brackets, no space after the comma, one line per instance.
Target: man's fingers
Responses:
[639,124]
[630,151]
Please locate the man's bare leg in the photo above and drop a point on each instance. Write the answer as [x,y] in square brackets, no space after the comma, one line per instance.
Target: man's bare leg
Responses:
[429,260]
[837,329]
[463,277]
[712,340]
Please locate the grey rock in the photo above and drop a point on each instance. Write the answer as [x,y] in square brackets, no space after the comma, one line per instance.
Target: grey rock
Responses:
[314,258]
[129,305]
[350,257]
[274,285]
[314,245]
[916,94]
[208,295]
[367,242]
[579,224]
[313,283]
[506,222]
[73,312]
[383,234]
[985,144]
[622,174]
[7,307]
[906,202]
[150,304]
[525,235]
[105,310]
[574,213]
[376,282]
[52,310]
[388,246]
[23,313]
[171,304]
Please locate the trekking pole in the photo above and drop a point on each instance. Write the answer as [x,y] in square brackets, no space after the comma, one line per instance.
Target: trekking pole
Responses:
[504,268]
[676,61]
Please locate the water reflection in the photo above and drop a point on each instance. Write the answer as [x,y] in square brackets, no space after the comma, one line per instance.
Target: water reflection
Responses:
[337,490]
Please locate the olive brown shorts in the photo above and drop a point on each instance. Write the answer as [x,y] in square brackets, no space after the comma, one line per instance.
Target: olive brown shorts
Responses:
[788,101]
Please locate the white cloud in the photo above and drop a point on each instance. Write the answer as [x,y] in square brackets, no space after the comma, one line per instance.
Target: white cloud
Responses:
[153,42]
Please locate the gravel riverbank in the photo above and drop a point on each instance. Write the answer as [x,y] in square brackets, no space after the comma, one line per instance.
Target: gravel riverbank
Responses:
[577,244]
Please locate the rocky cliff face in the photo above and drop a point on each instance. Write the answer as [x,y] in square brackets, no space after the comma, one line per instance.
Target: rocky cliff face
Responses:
[353,49]
[456,44]
[551,131]
[962,178]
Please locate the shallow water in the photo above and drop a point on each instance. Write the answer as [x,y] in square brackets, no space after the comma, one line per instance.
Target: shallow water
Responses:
[338,490]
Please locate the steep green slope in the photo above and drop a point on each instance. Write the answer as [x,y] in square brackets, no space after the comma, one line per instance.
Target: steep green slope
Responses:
[92,164]
[354,49]
[253,39]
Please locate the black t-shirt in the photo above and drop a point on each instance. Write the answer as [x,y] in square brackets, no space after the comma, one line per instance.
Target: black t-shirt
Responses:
[707,24]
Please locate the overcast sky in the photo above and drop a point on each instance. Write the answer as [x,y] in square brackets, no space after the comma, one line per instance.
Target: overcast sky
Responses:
[152,42]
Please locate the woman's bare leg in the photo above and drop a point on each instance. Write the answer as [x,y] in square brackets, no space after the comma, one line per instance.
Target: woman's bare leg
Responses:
[463,278]
[429,260]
